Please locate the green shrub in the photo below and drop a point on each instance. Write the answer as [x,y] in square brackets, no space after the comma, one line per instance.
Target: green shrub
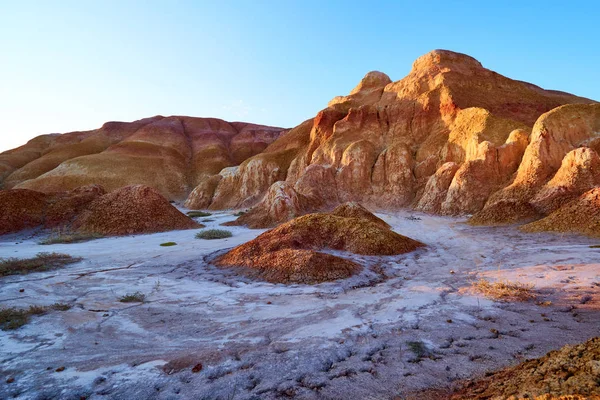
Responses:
[211,234]
[167,244]
[41,262]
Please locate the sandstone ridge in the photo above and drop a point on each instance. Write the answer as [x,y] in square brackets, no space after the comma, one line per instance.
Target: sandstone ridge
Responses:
[171,154]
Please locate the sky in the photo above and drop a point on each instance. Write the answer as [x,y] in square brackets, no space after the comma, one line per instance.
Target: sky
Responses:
[73,65]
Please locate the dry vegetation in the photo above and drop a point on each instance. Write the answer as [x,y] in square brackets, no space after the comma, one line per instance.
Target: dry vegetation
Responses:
[41,262]
[14,318]
[64,237]
[505,290]
[137,297]
[196,214]
[211,234]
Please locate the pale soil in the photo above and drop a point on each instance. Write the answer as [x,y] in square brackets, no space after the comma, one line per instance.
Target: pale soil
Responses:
[340,340]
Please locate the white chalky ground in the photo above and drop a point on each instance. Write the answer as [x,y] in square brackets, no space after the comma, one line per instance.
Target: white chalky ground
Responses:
[350,339]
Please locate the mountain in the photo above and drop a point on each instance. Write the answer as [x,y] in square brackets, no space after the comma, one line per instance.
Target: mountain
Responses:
[171,154]
[449,138]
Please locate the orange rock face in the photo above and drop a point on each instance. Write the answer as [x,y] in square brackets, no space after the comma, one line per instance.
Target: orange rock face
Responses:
[382,144]
[129,210]
[171,154]
[290,252]
[543,180]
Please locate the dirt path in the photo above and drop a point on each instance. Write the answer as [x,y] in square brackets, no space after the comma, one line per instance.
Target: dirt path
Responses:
[407,322]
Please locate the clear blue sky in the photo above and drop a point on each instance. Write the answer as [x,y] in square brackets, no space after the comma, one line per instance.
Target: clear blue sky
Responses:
[72,65]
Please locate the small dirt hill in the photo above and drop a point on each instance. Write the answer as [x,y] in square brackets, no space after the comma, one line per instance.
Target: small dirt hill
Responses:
[291,252]
[132,209]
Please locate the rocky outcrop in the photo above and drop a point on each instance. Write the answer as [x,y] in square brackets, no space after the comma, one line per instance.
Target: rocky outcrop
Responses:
[280,204]
[382,144]
[490,169]
[171,154]
[436,189]
[291,252]
[578,173]
[554,136]
[581,215]
[130,210]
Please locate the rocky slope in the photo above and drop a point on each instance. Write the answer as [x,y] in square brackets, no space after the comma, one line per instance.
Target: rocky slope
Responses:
[171,154]
[572,372]
[451,137]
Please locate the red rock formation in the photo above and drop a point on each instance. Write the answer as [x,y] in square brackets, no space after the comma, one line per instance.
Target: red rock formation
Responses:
[171,154]
[129,210]
[280,204]
[381,144]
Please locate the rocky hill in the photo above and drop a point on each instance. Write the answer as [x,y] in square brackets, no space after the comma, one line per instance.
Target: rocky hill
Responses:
[452,137]
[171,154]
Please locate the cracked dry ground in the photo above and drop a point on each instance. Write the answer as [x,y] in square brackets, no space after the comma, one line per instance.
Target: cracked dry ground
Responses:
[406,323]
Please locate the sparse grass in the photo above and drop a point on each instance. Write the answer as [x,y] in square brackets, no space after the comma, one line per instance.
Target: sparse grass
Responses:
[14,318]
[595,246]
[59,236]
[137,297]
[505,290]
[211,234]
[41,262]
[196,214]
[167,244]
